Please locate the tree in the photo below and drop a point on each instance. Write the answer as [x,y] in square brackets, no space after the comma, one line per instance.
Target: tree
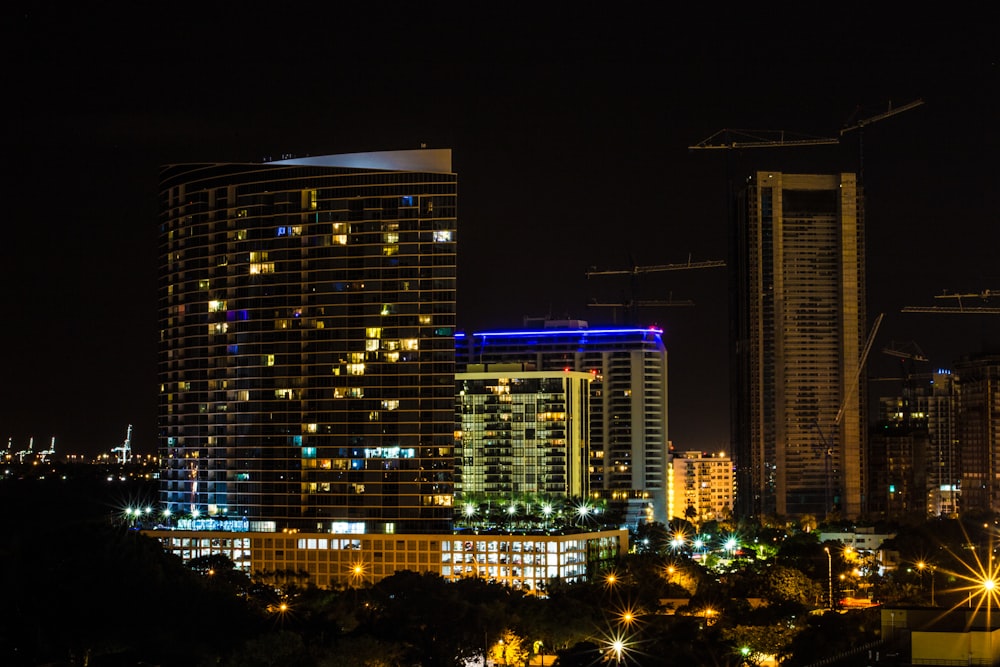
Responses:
[509,649]
[758,642]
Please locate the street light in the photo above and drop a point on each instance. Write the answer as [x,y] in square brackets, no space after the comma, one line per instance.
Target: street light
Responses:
[617,646]
[829,576]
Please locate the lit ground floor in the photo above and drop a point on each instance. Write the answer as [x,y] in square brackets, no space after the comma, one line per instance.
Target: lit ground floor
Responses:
[523,562]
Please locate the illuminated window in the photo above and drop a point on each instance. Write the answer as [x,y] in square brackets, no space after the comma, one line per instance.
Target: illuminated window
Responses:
[309,428]
[389,250]
[442,236]
[310,199]
[390,237]
[392,357]
[261,267]
[338,392]
[268,359]
[243,395]
[308,452]
[355,369]
[218,328]
[388,308]
[357,357]
[339,233]
[282,324]
[425,319]
[391,345]
[258,256]
[390,405]
[410,344]
[373,332]
[216,306]
[371,344]
[241,235]
[203,284]
[373,416]
[355,392]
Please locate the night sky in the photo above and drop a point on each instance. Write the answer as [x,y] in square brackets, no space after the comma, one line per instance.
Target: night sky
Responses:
[570,131]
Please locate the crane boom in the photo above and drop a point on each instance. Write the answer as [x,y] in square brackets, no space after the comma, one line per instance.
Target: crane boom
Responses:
[656,268]
[861,364]
[961,308]
[886,114]
[729,139]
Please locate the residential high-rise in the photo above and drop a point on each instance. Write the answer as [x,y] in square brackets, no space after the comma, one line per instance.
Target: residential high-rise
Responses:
[799,329]
[522,432]
[628,401]
[306,365]
[978,430]
[913,451]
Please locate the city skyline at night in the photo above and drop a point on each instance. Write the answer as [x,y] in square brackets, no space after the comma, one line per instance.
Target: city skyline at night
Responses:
[572,137]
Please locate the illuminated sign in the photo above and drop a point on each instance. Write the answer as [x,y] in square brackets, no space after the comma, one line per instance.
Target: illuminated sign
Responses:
[220,525]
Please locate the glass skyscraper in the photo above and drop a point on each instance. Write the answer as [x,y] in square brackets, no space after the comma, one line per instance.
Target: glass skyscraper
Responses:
[306,361]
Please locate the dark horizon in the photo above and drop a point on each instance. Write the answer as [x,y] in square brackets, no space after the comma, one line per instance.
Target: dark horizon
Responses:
[570,142]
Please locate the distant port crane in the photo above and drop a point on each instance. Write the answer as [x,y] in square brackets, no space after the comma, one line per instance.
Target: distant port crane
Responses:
[124,451]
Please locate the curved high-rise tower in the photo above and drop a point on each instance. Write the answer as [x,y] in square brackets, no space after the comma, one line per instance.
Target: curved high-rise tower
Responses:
[306,364]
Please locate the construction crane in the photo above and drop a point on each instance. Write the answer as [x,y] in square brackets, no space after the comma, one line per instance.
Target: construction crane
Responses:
[961,308]
[905,352]
[908,350]
[633,303]
[730,139]
[124,451]
[848,393]
[860,126]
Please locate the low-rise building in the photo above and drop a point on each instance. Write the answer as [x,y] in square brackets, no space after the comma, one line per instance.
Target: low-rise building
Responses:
[702,486]
[522,562]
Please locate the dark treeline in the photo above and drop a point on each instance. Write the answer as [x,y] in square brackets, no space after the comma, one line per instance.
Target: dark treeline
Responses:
[81,588]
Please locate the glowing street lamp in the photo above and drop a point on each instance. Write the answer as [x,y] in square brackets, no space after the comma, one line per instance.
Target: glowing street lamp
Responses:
[617,646]
[730,546]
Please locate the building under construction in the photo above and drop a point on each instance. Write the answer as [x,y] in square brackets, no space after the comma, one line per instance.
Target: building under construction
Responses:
[799,331]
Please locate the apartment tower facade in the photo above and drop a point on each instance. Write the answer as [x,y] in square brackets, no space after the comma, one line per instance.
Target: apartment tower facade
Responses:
[627,447]
[521,433]
[798,335]
[978,430]
[306,361]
